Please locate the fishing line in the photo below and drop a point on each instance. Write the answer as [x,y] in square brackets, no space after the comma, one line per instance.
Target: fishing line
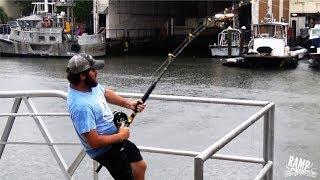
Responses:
[209,22]
[120,117]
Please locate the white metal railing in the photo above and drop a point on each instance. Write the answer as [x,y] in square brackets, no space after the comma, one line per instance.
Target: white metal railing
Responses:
[267,111]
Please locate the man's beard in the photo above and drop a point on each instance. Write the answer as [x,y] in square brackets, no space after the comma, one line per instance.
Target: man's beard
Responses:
[90,82]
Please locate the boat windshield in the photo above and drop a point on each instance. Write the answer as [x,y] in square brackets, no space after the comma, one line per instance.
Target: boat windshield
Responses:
[235,38]
[270,30]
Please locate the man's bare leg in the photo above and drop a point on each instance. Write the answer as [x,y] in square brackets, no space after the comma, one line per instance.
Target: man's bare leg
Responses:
[139,169]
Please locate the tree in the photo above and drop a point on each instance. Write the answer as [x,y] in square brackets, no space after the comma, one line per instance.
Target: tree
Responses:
[25,7]
[3,16]
[83,9]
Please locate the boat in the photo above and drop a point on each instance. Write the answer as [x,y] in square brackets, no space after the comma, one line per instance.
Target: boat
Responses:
[47,33]
[315,46]
[233,61]
[228,47]
[268,46]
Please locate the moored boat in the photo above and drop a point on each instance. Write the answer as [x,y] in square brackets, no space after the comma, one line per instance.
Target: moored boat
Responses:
[229,44]
[47,33]
[269,46]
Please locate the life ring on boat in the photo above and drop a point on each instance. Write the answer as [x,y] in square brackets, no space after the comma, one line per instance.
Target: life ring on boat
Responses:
[75,47]
[46,22]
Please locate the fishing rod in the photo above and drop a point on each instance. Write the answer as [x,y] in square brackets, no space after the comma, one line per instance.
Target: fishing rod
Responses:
[120,117]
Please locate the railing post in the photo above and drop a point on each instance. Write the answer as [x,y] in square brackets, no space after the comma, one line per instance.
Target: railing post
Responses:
[271,139]
[268,140]
[198,168]
[46,135]
[10,121]
[74,165]
[95,174]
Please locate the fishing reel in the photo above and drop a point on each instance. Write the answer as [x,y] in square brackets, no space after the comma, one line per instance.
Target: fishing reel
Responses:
[119,118]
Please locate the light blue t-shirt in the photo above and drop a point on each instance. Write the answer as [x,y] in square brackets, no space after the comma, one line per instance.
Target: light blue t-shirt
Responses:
[90,110]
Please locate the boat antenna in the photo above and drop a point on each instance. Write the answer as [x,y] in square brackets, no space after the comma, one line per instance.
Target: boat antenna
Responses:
[208,22]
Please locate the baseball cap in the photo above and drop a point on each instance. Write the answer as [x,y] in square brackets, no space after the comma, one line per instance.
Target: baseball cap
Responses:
[81,62]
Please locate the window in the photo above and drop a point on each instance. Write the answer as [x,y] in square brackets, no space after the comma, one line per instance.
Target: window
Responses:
[52,38]
[41,38]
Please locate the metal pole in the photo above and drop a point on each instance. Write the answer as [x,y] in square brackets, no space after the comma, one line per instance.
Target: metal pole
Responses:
[271,139]
[232,134]
[198,168]
[10,121]
[264,170]
[74,165]
[95,174]
[229,40]
[268,140]
[95,17]
[46,135]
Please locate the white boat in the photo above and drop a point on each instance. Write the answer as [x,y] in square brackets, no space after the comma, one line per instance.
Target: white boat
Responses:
[225,47]
[268,47]
[46,33]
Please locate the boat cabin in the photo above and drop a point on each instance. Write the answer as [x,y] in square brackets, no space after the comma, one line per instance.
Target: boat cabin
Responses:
[271,34]
[271,30]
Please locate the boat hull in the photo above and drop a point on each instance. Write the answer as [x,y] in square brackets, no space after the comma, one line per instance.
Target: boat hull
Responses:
[222,51]
[257,60]
[15,48]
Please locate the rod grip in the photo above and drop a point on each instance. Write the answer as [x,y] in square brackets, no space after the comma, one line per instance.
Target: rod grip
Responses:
[144,99]
[146,95]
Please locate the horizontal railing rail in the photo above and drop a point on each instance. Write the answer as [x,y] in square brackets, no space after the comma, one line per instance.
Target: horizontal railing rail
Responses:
[267,111]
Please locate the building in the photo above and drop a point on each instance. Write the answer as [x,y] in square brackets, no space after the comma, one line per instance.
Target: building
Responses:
[135,18]
[279,8]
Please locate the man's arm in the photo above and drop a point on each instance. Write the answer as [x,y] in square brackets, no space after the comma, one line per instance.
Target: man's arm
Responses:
[95,140]
[113,98]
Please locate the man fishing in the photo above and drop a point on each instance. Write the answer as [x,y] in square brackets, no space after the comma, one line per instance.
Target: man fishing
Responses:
[93,120]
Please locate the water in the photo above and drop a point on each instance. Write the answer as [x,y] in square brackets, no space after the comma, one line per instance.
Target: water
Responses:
[174,125]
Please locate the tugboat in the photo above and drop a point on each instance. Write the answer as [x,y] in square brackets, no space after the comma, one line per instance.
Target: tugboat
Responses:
[46,33]
[268,47]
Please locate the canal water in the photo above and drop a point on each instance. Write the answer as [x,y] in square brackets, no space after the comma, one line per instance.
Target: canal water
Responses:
[173,125]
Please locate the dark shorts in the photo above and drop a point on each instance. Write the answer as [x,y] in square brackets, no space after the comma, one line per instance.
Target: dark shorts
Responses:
[117,160]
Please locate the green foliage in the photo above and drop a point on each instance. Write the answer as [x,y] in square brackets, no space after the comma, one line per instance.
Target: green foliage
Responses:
[25,7]
[83,9]
[3,16]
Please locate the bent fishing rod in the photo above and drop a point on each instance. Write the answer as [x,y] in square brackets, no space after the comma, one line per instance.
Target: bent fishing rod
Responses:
[120,117]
